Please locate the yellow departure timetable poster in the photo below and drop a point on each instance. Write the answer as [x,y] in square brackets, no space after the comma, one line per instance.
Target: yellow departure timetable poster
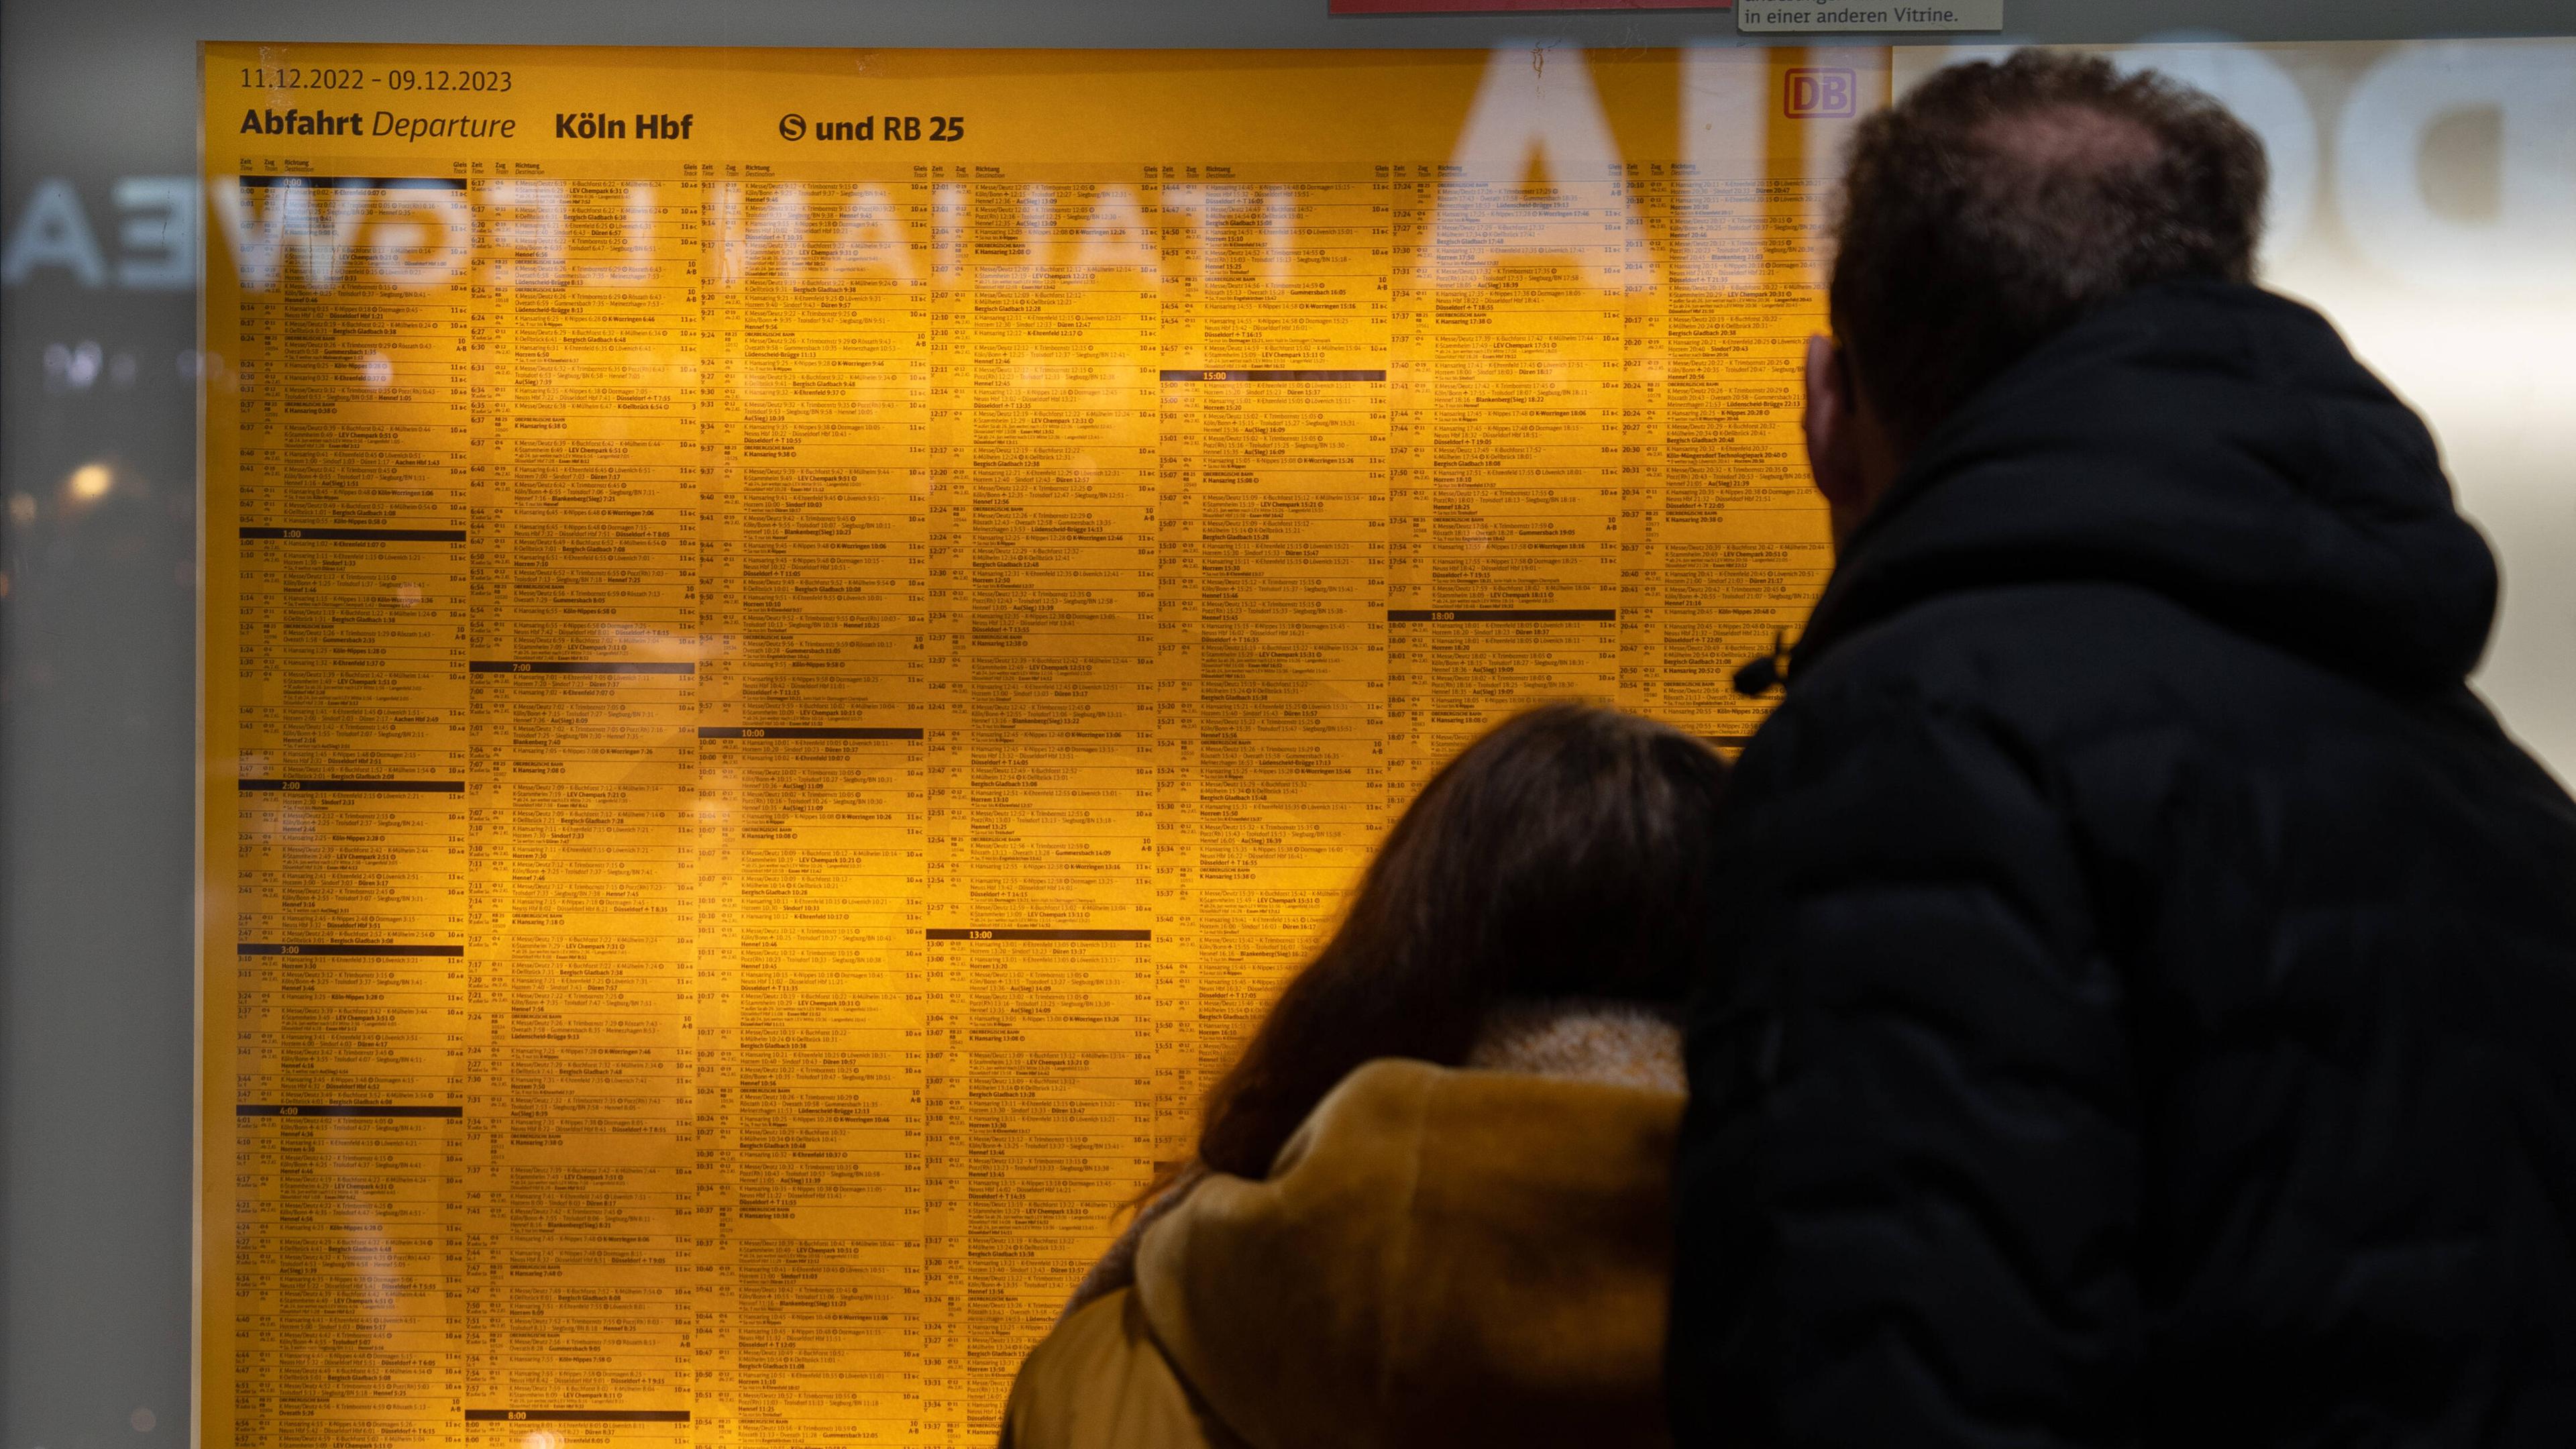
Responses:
[796,641]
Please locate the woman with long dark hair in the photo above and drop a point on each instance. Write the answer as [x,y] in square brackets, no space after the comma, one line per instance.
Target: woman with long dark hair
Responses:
[1430,1198]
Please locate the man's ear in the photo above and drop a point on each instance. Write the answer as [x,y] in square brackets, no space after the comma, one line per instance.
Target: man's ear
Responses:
[1834,447]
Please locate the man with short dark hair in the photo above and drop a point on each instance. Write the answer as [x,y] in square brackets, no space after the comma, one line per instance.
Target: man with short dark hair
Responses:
[2149,1009]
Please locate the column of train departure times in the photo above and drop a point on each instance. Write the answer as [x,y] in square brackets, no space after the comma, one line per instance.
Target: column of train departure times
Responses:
[797,642]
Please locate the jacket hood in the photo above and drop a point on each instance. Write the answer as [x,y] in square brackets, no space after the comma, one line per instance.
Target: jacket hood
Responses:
[2213,443]
[1439,1256]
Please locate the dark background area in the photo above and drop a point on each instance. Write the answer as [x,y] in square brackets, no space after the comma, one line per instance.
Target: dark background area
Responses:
[98,591]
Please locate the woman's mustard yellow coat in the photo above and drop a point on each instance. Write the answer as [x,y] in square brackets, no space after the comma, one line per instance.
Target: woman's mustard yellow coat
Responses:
[1439,1256]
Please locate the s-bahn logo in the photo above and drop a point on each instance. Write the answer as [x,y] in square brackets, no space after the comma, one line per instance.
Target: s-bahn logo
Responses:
[1815,94]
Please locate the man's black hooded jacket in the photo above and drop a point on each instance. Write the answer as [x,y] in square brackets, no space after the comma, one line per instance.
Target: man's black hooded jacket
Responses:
[2147,1013]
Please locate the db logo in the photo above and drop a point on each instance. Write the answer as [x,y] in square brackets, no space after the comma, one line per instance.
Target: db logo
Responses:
[1815,94]
[792,126]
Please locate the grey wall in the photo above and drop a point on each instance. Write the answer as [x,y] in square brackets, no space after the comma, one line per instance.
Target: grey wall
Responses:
[97,648]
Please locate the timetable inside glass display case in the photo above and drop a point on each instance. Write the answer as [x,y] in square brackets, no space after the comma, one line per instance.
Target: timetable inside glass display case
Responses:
[797,640]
